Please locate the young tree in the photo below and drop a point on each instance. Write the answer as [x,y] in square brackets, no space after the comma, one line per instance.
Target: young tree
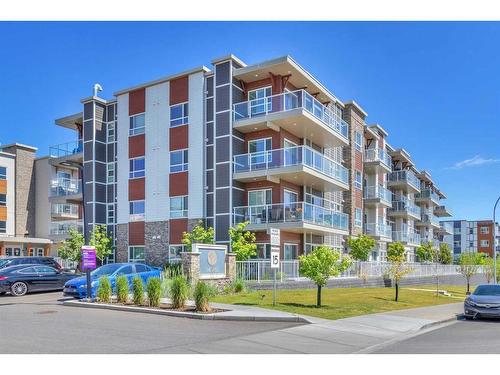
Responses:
[242,242]
[468,264]
[71,248]
[359,247]
[398,268]
[198,235]
[445,255]
[426,252]
[322,263]
[101,241]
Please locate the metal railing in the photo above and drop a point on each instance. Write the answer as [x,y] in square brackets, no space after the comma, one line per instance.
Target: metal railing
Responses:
[66,264]
[289,101]
[378,229]
[443,209]
[60,187]
[427,194]
[406,236]
[65,149]
[446,227]
[377,192]
[403,204]
[404,176]
[378,154]
[58,228]
[64,209]
[291,213]
[429,218]
[286,157]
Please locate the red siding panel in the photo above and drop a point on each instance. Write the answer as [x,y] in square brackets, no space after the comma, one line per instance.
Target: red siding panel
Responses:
[179,90]
[177,227]
[136,189]
[179,138]
[136,233]
[136,102]
[178,183]
[137,146]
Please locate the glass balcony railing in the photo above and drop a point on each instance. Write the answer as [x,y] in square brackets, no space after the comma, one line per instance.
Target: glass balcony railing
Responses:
[429,218]
[443,211]
[66,149]
[378,154]
[427,194]
[406,236]
[377,192]
[61,187]
[292,213]
[288,101]
[378,230]
[446,227]
[404,176]
[405,205]
[58,228]
[286,157]
[64,209]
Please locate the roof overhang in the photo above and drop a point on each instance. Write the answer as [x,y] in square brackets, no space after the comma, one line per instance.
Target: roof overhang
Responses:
[378,128]
[401,155]
[425,176]
[370,133]
[26,240]
[21,146]
[228,57]
[358,107]
[71,121]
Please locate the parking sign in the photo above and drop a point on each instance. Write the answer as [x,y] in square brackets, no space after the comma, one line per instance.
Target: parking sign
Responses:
[275,236]
[275,257]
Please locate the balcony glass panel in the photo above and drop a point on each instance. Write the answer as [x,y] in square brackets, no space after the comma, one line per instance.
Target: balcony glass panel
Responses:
[377,192]
[378,230]
[63,227]
[404,204]
[64,209]
[60,187]
[378,154]
[408,236]
[66,149]
[427,194]
[404,176]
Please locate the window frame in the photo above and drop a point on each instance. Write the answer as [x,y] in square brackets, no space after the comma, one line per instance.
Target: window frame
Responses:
[3,175]
[3,228]
[3,203]
[133,259]
[358,184]
[111,132]
[134,216]
[170,247]
[358,144]
[108,210]
[132,174]
[484,243]
[486,230]
[358,222]
[181,120]
[134,130]
[185,161]
[182,213]
[110,167]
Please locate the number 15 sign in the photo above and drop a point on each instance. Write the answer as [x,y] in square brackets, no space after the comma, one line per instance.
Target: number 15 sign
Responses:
[275,257]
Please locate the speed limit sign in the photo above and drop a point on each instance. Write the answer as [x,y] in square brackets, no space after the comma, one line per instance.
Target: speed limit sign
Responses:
[275,257]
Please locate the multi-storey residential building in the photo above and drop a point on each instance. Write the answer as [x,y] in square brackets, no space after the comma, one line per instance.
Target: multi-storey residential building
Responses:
[471,236]
[264,143]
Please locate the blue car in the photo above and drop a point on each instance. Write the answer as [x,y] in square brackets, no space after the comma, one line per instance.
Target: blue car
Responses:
[78,287]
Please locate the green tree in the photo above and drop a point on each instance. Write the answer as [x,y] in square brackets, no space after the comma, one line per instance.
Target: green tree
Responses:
[398,268]
[427,253]
[198,235]
[322,263]
[445,255]
[101,241]
[489,269]
[71,248]
[359,247]
[242,242]
[468,265]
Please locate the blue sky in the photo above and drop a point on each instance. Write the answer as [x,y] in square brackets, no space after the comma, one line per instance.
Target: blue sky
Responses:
[435,87]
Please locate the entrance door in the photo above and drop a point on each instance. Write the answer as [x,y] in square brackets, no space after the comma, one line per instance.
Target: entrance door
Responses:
[291,152]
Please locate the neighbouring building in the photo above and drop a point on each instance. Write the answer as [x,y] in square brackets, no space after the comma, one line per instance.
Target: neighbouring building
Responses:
[471,236]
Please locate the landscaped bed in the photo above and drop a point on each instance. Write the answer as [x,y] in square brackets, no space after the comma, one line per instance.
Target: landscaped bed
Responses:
[346,302]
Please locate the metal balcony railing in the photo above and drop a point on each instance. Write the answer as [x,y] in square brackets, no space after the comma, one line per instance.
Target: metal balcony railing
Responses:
[404,176]
[377,192]
[286,157]
[427,194]
[405,205]
[58,228]
[64,209]
[406,236]
[378,230]
[378,154]
[60,187]
[288,101]
[65,149]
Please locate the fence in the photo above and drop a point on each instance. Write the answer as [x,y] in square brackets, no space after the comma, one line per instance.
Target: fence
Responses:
[260,270]
[66,264]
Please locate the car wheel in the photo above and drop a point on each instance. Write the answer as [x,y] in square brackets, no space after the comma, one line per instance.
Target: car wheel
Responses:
[2,293]
[19,289]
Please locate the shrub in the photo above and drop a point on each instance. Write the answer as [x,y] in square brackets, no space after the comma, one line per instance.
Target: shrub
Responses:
[104,290]
[238,286]
[179,292]
[153,289]
[122,289]
[138,291]
[202,293]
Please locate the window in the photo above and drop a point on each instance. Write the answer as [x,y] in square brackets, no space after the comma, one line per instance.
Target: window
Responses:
[110,170]
[3,173]
[137,124]
[111,132]
[178,206]
[358,141]
[259,197]
[485,243]
[3,226]
[135,254]
[290,251]
[358,182]
[263,251]
[358,221]
[174,251]
[179,115]
[260,101]
[178,161]
[258,148]
[137,168]
[3,200]
[136,210]
[485,230]
[111,213]
[45,270]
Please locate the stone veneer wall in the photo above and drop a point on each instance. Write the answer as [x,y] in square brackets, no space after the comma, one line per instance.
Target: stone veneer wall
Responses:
[122,243]
[156,242]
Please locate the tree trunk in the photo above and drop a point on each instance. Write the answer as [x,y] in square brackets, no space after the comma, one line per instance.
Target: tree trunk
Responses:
[397,291]
[468,285]
[318,298]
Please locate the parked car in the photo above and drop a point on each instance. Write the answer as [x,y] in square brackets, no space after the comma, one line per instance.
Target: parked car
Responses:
[484,302]
[26,278]
[78,287]
[14,261]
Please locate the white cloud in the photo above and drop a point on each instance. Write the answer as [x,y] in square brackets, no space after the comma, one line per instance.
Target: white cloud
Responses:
[473,162]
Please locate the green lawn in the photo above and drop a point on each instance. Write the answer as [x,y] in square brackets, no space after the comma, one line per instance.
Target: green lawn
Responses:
[345,302]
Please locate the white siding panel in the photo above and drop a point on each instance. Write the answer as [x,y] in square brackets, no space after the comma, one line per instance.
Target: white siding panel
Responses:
[122,165]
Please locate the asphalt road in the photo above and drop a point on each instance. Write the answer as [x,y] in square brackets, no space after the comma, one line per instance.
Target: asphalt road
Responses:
[38,323]
[461,337]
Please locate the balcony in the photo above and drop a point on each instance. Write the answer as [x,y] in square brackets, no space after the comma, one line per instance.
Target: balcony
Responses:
[407,237]
[61,228]
[403,207]
[445,228]
[427,196]
[442,211]
[299,165]
[404,180]
[379,230]
[64,211]
[68,188]
[297,112]
[377,160]
[375,195]
[297,217]
[428,220]
[67,151]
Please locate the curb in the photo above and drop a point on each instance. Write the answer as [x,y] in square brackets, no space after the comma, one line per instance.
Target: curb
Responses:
[189,315]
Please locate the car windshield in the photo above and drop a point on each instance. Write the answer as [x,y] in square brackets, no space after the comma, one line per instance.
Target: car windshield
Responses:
[487,290]
[3,262]
[108,269]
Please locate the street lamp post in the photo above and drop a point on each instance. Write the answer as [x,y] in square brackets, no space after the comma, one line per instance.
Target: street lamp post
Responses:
[494,243]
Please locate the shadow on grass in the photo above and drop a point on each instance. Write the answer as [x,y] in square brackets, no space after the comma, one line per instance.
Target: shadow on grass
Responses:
[292,304]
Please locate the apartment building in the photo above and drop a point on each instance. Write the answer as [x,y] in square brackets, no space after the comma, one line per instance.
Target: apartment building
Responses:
[265,143]
[471,236]
[17,203]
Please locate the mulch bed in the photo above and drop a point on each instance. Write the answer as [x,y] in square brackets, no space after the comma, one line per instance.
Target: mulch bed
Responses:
[166,306]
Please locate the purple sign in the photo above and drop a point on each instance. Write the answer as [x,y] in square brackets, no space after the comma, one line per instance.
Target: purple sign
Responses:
[88,258]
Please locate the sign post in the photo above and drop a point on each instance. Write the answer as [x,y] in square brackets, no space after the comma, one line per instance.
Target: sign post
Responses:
[275,256]
[88,264]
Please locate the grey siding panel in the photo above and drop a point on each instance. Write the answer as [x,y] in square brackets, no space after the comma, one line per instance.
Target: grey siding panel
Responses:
[210,181]
[100,193]
[111,193]
[87,130]
[222,149]
[223,174]
[210,86]
[100,213]
[210,157]
[238,197]
[222,226]
[88,171]
[210,133]
[238,134]
[88,111]
[238,146]
[100,172]
[210,222]
[111,112]
[222,98]
[111,152]
[210,109]
[222,199]
[223,123]
[87,151]
[100,151]
[222,72]
[210,205]
[237,95]
[238,184]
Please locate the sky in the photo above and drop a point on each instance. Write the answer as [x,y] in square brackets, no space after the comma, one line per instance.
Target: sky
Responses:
[433,86]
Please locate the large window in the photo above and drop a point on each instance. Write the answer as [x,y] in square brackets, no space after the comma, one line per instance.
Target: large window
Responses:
[111,132]
[111,213]
[178,207]
[178,161]
[137,124]
[136,210]
[485,243]
[110,171]
[290,251]
[485,230]
[260,101]
[3,173]
[358,181]
[358,220]
[136,254]
[137,168]
[264,250]
[3,227]
[3,200]
[258,148]
[259,197]
[179,115]
[358,141]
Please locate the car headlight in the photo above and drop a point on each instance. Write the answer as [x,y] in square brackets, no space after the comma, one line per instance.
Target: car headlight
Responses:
[469,302]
